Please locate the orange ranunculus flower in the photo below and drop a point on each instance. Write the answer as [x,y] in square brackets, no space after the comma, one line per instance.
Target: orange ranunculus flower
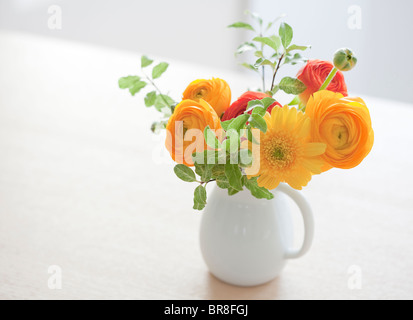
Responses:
[344,124]
[313,75]
[216,92]
[185,129]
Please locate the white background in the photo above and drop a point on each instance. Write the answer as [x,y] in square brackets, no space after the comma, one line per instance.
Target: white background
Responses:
[195,31]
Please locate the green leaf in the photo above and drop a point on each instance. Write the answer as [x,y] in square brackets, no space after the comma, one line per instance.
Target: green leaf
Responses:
[200,198]
[127,82]
[249,66]
[254,104]
[293,60]
[200,158]
[257,191]
[199,206]
[163,101]
[242,25]
[184,173]
[204,171]
[276,56]
[234,175]
[232,143]
[137,87]
[209,157]
[267,102]
[245,157]
[133,83]
[226,145]
[267,41]
[259,54]
[145,61]
[292,86]
[264,62]
[222,157]
[150,99]
[238,123]
[210,138]
[234,157]
[218,171]
[295,102]
[250,136]
[286,34]
[276,40]
[257,63]
[257,121]
[232,191]
[259,111]
[274,90]
[225,124]
[246,46]
[222,182]
[295,47]
[159,70]
[157,127]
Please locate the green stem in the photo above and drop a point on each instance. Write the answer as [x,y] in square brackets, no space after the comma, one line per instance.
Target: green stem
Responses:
[157,89]
[329,79]
[263,78]
[262,67]
[276,70]
[206,182]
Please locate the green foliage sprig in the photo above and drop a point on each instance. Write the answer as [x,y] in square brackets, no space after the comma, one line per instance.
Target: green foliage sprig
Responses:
[224,161]
[272,50]
[154,98]
[226,157]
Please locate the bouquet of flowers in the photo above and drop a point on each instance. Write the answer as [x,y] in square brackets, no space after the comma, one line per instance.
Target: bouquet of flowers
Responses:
[257,142]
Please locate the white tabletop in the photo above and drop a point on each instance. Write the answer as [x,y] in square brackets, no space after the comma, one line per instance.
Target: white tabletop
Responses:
[81,187]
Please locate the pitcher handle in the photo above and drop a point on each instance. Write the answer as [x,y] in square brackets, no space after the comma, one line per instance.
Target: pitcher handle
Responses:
[307,214]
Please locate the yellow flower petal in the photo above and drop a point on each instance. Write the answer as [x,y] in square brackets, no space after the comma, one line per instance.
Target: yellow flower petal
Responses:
[291,118]
[314,149]
[298,181]
[314,165]
[268,182]
[286,153]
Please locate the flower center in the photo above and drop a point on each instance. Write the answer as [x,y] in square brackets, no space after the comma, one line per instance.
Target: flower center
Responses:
[200,93]
[280,152]
[341,136]
[185,127]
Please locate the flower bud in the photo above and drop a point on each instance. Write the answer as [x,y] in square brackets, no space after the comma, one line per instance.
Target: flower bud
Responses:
[345,59]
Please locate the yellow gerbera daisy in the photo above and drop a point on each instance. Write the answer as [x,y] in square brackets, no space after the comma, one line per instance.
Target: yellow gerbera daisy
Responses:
[286,153]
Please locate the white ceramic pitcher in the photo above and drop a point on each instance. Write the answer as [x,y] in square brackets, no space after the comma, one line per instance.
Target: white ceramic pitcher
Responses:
[246,241]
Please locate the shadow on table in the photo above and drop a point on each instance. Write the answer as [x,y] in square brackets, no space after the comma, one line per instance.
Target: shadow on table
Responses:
[218,290]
